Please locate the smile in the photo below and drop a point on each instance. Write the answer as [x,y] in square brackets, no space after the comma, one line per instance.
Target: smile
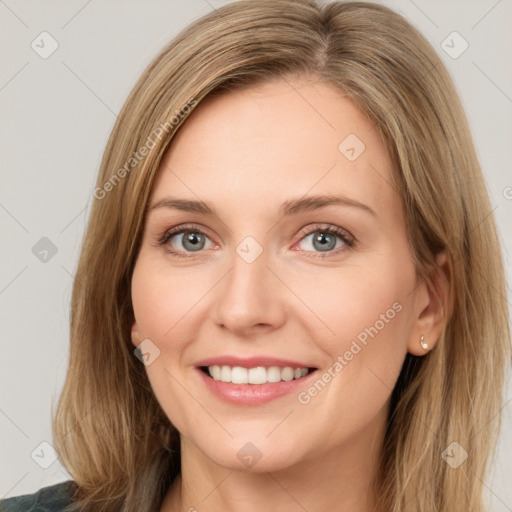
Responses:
[253,381]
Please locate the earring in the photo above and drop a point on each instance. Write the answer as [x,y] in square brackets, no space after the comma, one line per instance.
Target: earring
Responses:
[424,345]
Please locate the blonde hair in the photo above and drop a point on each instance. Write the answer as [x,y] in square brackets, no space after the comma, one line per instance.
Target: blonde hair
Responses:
[110,432]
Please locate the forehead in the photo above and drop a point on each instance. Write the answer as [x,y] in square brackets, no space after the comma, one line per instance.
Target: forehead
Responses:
[279,139]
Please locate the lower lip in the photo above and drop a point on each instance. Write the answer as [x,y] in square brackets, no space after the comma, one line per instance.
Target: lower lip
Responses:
[252,394]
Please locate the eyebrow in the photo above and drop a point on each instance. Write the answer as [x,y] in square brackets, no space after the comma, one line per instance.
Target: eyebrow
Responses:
[291,207]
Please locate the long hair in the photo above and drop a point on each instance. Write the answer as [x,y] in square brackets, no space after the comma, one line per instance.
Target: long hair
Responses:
[109,430]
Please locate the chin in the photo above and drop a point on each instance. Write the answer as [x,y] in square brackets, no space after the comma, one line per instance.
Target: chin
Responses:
[253,454]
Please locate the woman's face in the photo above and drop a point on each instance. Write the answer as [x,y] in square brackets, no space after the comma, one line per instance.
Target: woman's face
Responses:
[251,286]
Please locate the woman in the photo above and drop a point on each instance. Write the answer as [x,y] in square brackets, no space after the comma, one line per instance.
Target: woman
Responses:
[290,294]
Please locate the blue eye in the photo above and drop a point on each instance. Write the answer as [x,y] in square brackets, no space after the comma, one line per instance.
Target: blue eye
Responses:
[191,240]
[324,241]
[328,239]
[189,237]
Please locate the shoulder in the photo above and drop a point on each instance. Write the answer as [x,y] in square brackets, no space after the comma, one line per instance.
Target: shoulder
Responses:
[54,498]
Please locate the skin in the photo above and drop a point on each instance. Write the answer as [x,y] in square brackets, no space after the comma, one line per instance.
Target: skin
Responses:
[244,153]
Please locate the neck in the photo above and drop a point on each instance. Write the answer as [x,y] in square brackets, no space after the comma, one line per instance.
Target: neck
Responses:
[338,479]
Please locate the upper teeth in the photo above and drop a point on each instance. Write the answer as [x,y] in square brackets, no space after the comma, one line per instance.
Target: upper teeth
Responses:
[259,375]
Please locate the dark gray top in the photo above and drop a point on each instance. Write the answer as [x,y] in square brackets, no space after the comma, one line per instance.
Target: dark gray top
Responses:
[54,498]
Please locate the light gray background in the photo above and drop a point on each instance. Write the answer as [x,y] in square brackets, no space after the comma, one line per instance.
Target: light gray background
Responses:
[55,119]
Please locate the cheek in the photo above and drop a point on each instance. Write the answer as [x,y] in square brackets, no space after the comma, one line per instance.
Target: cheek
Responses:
[364,318]
[163,299]
[349,300]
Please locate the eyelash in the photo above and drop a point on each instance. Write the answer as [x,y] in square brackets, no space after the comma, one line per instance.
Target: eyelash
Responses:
[330,229]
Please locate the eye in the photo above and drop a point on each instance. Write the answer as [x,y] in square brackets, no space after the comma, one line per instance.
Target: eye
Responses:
[184,239]
[326,239]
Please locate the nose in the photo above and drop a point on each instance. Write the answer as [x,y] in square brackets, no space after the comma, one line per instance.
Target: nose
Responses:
[251,298]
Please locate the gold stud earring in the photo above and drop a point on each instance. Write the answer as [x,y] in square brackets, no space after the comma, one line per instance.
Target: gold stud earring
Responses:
[424,345]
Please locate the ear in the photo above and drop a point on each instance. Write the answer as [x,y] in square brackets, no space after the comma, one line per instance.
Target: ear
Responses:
[433,306]
[136,337]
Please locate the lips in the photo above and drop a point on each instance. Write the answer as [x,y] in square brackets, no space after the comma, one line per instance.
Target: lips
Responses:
[252,381]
